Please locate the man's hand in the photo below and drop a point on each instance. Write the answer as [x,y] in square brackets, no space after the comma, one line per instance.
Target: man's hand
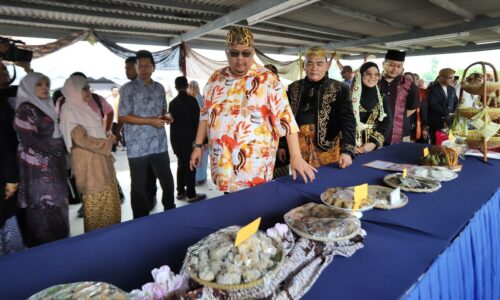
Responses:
[281,155]
[345,161]
[305,170]
[118,136]
[168,118]
[157,122]
[10,190]
[195,158]
[26,65]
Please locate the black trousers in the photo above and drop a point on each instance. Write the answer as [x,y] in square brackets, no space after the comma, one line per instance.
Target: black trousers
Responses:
[432,135]
[151,188]
[186,179]
[160,165]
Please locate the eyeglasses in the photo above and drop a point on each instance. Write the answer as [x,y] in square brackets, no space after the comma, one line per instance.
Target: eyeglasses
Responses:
[244,53]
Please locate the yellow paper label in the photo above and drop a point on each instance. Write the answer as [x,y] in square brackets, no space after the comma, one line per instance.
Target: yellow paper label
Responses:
[247,231]
[360,193]
[451,137]
[405,173]
[426,151]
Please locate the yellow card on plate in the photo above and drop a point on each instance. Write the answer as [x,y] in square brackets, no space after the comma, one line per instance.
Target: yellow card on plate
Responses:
[451,137]
[405,172]
[247,231]
[426,151]
[360,193]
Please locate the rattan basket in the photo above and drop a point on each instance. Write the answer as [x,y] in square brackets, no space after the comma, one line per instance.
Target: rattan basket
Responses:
[476,140]
[392,180]
[469,112]
[478,88]
[232,229]
[485,90]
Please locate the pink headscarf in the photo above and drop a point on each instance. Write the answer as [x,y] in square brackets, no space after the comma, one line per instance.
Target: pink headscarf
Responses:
[75,111]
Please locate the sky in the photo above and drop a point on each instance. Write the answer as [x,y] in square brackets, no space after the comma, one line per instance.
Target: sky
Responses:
[96,61]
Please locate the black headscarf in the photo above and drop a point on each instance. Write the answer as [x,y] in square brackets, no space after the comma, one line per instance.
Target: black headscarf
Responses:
[369,95]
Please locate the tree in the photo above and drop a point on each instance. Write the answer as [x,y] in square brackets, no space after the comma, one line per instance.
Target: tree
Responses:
[433,72]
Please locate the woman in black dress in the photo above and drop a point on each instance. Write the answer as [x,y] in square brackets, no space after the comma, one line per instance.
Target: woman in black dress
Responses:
[43,191]
[371,110]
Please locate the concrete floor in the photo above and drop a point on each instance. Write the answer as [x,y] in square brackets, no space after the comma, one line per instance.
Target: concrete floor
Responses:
[123,174]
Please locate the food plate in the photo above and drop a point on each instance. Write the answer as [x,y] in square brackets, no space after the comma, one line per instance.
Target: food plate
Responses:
[443,157]
[343,198]
[382,196]
[456,168]
[81,290]
[215,262]
[432,172]
[319,222]
[411,183]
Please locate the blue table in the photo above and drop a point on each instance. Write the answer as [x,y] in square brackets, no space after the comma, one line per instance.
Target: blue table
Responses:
[401,245]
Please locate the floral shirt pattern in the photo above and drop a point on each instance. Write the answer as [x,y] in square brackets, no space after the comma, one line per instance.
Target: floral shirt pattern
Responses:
[246,117]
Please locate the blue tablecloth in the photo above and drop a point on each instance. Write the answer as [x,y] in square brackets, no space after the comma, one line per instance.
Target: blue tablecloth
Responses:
[401,244]
[470,267]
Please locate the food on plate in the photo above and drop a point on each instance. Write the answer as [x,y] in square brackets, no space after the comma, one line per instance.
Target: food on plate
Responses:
[320,222]
[82,290]
[216,259]
[343,197]
[432,172]
[382,197]
[441,156]
[411,183]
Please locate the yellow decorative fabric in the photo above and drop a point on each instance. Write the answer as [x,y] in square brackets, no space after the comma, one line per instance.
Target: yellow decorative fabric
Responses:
[102,208]
[311,153]
[239,36]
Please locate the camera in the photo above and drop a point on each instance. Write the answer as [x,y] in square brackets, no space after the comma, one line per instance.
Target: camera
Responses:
[10,52]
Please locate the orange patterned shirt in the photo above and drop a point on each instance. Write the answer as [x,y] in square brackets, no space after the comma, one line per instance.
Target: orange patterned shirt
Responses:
[246,117]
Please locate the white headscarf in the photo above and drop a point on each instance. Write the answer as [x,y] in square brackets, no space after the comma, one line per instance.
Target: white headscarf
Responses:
[75,112]
[26,93]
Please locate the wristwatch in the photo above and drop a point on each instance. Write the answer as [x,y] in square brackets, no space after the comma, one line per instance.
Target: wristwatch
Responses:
[197,146]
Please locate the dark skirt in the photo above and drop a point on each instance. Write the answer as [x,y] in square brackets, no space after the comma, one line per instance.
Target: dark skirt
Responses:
[10,237]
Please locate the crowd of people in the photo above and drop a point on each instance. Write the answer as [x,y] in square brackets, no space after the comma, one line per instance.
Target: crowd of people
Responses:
[246,123]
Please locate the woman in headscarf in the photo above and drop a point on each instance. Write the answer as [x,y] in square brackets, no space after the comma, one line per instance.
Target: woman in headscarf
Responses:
[323,110]
[10,236]
[371,109]
[42,164]
[91,158]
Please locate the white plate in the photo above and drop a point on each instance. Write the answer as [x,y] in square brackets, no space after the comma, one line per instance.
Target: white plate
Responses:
[427,185]
[381,194]
[362,208]
[432,172]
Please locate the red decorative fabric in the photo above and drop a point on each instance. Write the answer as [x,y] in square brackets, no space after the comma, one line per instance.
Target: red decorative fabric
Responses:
[399,111]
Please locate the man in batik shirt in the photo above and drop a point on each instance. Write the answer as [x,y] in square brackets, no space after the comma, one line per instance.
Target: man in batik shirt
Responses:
[143,108]
[246,112]
[401,94]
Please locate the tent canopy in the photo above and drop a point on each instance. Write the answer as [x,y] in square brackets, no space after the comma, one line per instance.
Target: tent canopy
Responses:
[352,28]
